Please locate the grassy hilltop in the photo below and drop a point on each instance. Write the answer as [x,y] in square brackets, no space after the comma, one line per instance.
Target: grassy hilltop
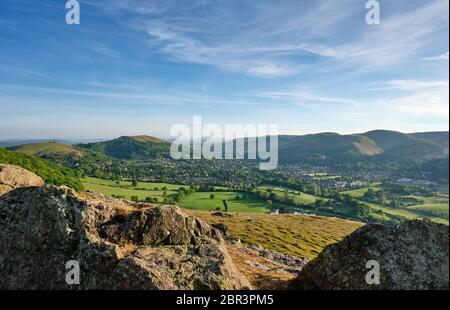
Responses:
[47,148]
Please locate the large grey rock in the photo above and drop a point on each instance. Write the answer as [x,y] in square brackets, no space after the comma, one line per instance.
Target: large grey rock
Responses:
[413,255]
[118,244]
[12,177]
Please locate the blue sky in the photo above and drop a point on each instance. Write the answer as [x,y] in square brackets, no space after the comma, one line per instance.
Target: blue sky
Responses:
[138,67]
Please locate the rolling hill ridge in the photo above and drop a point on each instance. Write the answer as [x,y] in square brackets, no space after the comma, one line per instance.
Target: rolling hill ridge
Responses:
[322,148]
[380,144]
[47,148]
[134,147]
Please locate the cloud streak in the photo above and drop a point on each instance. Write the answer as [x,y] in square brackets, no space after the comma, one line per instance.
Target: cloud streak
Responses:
[443,56]
[264,40]
[268,45]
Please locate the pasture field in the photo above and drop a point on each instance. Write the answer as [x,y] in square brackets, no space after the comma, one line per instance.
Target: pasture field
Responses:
[437,204]
[358,193]
[248,203]
[439,199]
[47,148]
[124,188]
[431,207]
[305,198]
[299,197]
[410,213]
[127,184]
[203,201]
[199,200]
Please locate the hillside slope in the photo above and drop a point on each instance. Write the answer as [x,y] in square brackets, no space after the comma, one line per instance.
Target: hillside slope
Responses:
[16,142]
[439,137]
[136,147]
[52,173]
[375,148]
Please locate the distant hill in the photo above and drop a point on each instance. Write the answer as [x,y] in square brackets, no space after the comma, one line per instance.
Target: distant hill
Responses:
[378,144]
[134,147]
[439,137]
[16,142]
[52,173]
[144,138]
[325,146]
[47,148]
[388,140]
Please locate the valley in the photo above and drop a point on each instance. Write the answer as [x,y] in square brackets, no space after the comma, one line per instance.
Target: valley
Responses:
[362,177]
[259,200]
[248,219]
[248,146]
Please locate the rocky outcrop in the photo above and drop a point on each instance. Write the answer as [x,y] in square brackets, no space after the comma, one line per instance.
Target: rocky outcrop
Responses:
[413,255]
[12,177]
[123,245]
[118,244]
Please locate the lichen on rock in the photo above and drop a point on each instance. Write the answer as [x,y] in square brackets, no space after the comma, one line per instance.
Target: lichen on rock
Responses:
[118,244]
[413,255]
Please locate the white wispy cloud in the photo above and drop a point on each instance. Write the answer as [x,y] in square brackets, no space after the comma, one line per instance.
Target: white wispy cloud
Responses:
[443,56]
[410,85]
[233,57]
[396,39]
[160,98]
[23,71]
[410,97]
[415,85]
[103,50]
[305,98]
[261,41]
[421,103]
[422,98]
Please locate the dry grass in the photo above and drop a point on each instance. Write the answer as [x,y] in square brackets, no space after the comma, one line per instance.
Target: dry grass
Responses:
[299,235]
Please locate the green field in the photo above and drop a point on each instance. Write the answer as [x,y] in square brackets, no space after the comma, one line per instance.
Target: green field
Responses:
[439,199]
[197,201]
[411,213]
[124,188]
[253,204]
[299,197]
[431,207]
[202,201]
[436,204]
[358,193]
